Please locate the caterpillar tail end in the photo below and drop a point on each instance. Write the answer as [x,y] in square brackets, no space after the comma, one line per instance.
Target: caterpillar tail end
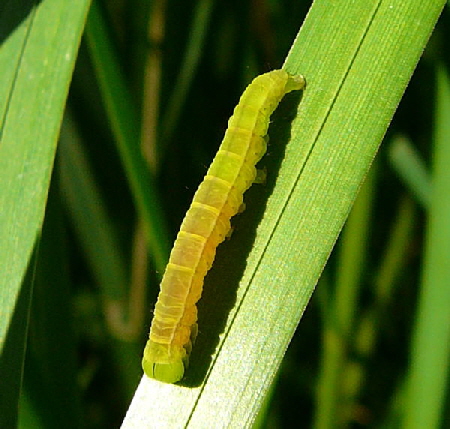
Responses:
[295,82]
[167,373]
[157,363]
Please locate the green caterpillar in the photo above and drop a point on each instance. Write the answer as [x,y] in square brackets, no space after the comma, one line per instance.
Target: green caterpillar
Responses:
[207,223]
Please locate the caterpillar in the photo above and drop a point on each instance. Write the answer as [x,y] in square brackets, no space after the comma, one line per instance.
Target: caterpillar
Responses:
[207,223]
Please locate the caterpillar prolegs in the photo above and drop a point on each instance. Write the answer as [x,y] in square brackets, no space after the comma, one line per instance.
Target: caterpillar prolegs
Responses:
[207,223]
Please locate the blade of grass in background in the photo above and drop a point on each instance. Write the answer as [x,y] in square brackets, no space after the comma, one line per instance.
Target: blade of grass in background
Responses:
[87,208]
[125,125]
[427,383]
[410,167]
[183,83]
[39,45]
[357,57]
[97,236]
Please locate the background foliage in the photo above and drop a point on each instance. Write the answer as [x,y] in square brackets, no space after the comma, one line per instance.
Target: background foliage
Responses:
[168,73]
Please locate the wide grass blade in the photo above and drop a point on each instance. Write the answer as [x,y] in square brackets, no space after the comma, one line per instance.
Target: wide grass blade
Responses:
[357,57]
[39,45]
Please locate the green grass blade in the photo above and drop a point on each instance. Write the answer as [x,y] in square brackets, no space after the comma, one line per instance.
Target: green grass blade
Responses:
[90,218]
[187,72]
[98,238]
[411,168]
[124,122]
[39,45]
[357,57]
[428,379]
